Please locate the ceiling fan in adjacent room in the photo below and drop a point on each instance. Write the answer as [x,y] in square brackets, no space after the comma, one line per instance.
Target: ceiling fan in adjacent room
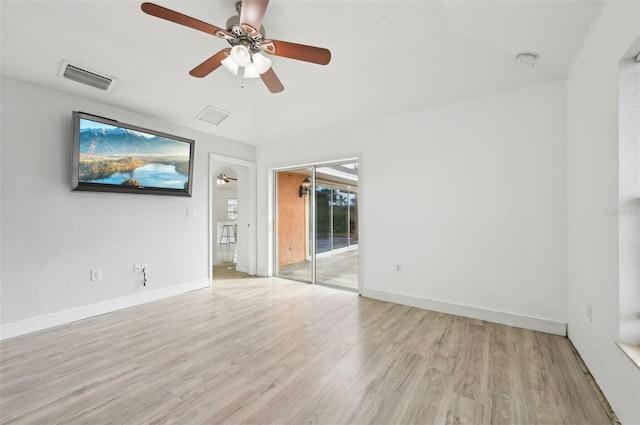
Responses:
[223,178]
[246,36]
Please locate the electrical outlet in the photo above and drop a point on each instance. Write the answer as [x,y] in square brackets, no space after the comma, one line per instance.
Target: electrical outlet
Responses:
[398,268]
[191,212]
[137,268]
[96,274]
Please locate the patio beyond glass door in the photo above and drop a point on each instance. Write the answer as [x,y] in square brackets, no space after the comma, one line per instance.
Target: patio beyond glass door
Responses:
[293,220]
[316,231]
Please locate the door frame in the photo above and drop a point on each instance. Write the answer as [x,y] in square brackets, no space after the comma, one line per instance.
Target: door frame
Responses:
[272,254]
[252,228]
[311,245]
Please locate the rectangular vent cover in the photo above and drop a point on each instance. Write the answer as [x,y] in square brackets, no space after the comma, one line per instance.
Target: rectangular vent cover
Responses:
[84,76]
[213,115]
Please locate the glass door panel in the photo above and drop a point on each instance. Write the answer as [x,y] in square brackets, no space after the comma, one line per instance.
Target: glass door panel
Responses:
[353,219]
[323,219]
[340,219]
[336,261]
[293,238]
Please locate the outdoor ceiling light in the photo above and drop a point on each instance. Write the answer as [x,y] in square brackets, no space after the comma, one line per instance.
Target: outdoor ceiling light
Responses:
[304,188]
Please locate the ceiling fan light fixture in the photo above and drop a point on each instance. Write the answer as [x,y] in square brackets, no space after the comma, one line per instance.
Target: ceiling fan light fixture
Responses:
[261,62]
[246,36]
[250,71]
[230,65]
[241,55]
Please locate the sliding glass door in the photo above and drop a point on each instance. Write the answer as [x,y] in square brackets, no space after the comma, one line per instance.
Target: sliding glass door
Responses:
[293,224]
[320,203]
[336,225]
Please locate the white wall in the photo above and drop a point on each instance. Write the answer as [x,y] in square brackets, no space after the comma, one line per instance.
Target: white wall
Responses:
[468,198]
[52,237]
[592,183]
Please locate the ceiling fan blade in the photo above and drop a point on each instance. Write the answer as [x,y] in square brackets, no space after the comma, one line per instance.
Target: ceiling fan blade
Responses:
[173,16]
[252,12]
[272,81]
[210,65]
[297,51]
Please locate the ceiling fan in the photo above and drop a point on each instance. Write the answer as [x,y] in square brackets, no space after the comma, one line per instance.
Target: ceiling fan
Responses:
[246,35]
[223,178]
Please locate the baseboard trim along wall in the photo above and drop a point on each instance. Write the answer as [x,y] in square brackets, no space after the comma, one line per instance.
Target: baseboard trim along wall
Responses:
[67,316]
[242,268]
[519,321]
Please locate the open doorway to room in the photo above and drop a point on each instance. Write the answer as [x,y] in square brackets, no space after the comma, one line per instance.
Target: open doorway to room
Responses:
[232,212]
[226,227]
[316,231]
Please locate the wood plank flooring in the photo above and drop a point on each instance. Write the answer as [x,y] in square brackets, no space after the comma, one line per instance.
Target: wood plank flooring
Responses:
[270,351]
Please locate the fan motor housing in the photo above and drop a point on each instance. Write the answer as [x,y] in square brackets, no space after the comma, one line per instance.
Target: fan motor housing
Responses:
[245,35]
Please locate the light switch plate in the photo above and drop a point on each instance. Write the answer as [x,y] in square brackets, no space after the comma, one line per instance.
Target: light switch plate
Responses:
[96,274]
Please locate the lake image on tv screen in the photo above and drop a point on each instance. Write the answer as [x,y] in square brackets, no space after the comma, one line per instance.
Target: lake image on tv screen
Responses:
[119,156]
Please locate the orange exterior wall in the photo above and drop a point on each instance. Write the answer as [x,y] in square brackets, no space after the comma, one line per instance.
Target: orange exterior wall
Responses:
[292,238]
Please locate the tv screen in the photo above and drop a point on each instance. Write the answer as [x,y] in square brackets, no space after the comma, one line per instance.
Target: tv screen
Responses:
[115,157]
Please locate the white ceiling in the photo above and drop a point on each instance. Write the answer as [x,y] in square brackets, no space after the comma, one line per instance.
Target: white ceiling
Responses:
[388,57]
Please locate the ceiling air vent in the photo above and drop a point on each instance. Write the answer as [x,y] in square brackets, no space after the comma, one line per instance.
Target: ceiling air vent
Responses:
[213,115]
[84,76]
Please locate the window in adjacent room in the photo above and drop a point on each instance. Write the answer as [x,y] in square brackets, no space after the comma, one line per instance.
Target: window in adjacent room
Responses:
[232,209]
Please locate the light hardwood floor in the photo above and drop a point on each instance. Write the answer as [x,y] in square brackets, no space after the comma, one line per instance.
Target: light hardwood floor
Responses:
[279,352]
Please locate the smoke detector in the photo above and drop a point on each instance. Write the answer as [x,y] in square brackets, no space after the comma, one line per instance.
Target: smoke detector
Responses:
[527,59]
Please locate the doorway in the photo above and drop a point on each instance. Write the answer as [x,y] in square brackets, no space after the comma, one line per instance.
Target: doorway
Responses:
[232,248]
[226,227]
[316,224]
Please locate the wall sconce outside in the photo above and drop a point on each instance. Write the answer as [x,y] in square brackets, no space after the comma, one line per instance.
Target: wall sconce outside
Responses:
[304,188]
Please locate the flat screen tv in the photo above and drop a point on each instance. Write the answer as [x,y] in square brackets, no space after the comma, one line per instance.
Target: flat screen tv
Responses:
[110,156]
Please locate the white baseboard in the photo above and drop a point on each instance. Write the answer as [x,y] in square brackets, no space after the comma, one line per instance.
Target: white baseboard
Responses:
[263,272]
[67,316]
[511,319]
